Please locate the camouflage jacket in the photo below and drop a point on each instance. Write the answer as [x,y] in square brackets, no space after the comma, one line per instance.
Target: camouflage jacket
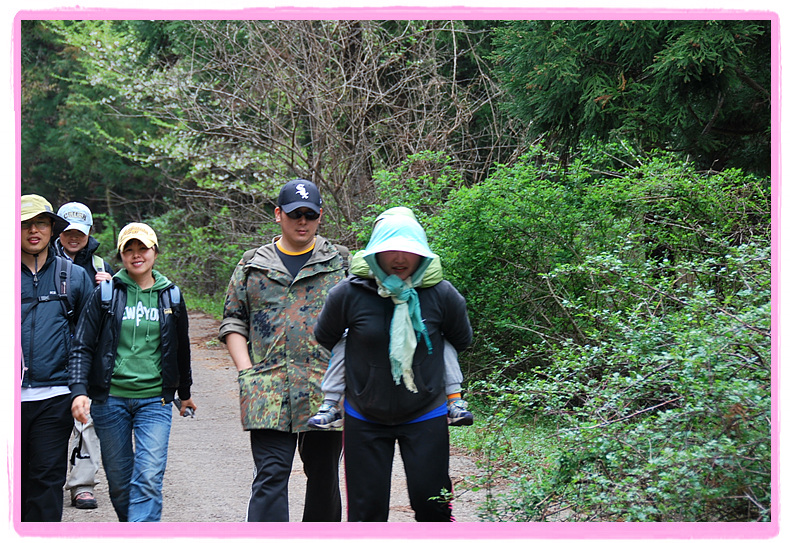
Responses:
[276,313]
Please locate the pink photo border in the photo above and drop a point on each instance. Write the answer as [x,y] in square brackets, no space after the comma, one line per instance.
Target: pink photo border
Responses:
[457,531]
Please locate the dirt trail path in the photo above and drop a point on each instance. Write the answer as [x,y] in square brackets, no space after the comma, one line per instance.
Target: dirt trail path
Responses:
[209,468]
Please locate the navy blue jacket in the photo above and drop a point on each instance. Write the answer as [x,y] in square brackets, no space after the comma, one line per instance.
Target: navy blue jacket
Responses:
[46,332]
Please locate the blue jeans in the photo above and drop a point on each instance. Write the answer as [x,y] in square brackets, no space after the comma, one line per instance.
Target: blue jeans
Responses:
[134,468]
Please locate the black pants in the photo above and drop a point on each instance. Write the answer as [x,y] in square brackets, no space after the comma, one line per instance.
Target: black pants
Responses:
[273,453]
[45,431]
[425,450]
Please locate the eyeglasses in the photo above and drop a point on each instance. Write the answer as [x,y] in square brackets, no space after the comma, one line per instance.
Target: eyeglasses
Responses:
[297,214]
[40,224]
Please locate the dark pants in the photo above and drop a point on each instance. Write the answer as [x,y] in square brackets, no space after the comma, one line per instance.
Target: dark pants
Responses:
[45,431]
[425,450]
[273,453]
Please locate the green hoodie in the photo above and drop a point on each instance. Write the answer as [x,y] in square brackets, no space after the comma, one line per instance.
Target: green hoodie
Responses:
[138,363]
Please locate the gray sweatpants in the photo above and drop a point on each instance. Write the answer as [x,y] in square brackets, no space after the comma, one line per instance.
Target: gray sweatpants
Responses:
[334,383]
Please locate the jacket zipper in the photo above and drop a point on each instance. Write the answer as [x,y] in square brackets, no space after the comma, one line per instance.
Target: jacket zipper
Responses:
[31,358]
[32,316]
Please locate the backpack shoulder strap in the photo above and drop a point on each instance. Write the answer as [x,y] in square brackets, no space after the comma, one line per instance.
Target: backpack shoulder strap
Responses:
[247,256]
[106,294]
[63,285]
[175,296]
[345,254]
[172,302]
[62,280]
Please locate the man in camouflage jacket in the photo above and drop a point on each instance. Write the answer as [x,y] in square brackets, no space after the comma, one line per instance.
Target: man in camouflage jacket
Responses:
[273,299]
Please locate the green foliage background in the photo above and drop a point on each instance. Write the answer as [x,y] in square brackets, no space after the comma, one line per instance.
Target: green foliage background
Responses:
[644,310]
[694,85]
[625,318]
[617,268]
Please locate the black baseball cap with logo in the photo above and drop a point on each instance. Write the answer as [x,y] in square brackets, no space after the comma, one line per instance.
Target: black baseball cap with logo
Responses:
[299,193]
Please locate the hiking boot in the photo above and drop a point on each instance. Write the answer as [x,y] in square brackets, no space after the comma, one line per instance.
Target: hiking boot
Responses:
[84,500]
[458,415]
[328,416]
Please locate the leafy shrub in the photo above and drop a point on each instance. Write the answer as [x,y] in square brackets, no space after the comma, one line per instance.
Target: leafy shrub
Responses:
[496,240]
[198,251]
[422,183]
[662,392]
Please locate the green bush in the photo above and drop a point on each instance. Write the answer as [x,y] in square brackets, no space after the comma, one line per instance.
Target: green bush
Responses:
[496,240]
[661,386]
[422,183]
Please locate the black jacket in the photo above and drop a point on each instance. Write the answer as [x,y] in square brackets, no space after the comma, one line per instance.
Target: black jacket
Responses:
[370,389]
[45,331]
[96,343]
[85,257]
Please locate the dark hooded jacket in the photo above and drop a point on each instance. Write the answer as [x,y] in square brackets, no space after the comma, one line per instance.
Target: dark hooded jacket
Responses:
[84,258]
[370,388]
[394,367]
[46,329]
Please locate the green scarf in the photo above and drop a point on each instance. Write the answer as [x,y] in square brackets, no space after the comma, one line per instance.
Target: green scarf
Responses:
[406,328]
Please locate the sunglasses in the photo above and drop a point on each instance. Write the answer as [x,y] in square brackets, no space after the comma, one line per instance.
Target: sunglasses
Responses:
[297,214]
[40,224]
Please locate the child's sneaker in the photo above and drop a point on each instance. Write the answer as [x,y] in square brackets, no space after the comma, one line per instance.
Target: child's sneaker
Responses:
[458,415]
[328,416]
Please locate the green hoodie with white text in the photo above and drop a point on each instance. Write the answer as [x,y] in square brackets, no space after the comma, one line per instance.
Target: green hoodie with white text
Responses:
[138,364]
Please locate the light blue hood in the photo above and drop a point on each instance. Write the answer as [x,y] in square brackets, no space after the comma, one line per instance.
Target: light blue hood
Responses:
[398,232]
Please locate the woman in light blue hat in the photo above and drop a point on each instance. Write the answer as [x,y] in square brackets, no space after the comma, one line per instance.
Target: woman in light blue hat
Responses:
[77,244]
[394,371]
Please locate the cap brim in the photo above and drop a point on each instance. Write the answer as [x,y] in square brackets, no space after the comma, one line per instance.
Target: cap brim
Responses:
[58,222]
[84,228]
[402,243]
[148,243]
[287,208]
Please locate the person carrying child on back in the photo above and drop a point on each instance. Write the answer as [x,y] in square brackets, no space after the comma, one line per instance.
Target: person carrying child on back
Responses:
[333,385]
[394,370]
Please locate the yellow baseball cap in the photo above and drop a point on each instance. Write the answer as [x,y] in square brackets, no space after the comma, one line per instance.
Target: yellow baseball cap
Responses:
[33,205]
[139,231]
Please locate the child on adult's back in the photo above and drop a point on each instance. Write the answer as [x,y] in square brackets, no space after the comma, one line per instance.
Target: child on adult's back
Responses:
[394,372]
